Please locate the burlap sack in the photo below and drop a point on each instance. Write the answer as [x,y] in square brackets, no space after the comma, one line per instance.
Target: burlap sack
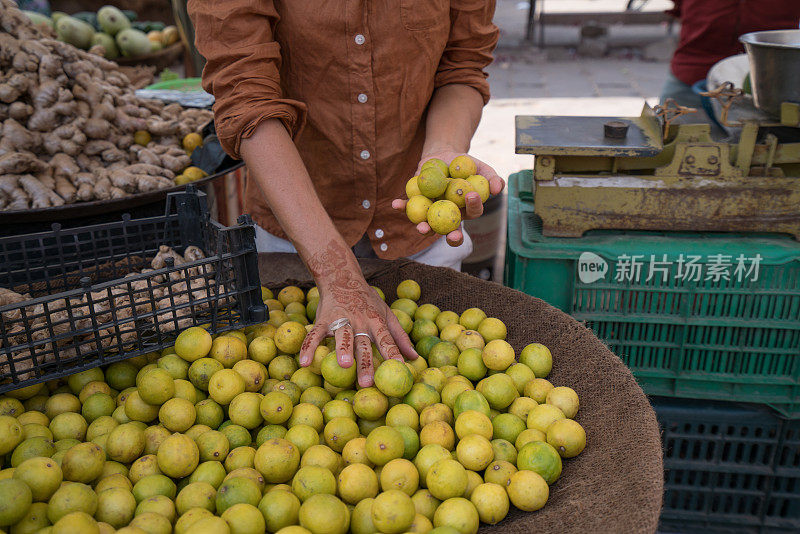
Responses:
[616,484]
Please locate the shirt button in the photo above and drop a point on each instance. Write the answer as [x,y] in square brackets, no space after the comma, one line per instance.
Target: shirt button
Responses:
[360,39]
[365,154]
[384,246]
[365,204]
[362,98]
[379,233]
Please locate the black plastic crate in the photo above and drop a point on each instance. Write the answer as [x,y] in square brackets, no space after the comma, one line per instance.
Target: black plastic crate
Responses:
[728,468]
[92,305]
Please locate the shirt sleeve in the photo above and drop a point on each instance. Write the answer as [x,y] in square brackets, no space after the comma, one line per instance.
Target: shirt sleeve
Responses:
[469,47]
[243,61]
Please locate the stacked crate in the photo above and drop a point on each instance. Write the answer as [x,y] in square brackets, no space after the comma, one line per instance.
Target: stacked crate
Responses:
[695,316]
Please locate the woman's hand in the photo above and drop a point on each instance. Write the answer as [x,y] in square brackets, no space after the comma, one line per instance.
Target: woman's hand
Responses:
[474,206]
[344,294]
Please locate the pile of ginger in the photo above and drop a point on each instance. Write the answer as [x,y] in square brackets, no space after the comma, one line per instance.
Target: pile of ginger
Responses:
[103,319]
[67,124]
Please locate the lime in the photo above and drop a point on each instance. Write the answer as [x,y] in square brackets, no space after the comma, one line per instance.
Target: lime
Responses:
[529,435]
[499,472]
[313,480]
[425,503]
[565,399]
[469,339]
[527,490]
[338,431]
[537,389]
[474,452]
[15,501]
[499,390]
[335,374]
[504,450]
[446,479]
[10,433]
[491,501]
[542,416]
[567,437]
[470,364]
[244,518]
[237,490]
[522,406]
[357,482]
[444,217]
[538,358]
[470,400]
[370,404]
[498,355]
[393,378]
[507,426]
[436,163]
[462,167]
[432,182]
[280,509]
[277,459]
[402,415]
[383,445]
[438,432]
[443,353]
[193,343]
[289,337]
[393,512]
[457,513]
[324,514]
[457,190]
[481,186]
[541,458]
[262,349]
[412,187]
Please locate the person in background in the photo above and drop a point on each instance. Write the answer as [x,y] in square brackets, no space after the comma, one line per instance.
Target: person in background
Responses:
[333,106]
[710,31]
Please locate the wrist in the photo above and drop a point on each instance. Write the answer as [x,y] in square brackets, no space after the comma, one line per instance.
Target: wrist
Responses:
[333,263]
[433,149]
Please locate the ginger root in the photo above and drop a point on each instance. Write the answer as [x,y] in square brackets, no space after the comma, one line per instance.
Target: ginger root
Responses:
[108,319]
[56,100]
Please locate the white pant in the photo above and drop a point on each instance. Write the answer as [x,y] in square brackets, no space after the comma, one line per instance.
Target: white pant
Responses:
[440,254]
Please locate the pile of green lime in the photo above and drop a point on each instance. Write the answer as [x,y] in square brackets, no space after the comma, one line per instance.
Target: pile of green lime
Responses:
[228,434]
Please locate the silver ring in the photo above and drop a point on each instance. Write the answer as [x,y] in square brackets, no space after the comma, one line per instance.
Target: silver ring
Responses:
[365,335]
[338,323]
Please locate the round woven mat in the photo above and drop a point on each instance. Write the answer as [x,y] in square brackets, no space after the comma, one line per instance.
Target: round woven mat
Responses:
[616,484]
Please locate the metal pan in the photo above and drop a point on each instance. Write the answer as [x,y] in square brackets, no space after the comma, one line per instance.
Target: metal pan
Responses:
[98,207]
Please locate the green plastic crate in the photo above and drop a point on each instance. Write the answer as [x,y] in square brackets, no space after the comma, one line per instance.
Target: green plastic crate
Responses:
[708,338]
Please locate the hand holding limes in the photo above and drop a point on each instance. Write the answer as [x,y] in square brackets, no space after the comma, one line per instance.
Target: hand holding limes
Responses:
[439,192]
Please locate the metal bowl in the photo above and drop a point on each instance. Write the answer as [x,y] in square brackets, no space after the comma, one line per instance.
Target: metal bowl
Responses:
[98,207]
[774,68]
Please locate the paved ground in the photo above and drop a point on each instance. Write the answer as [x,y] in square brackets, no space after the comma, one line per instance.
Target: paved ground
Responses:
[558,81]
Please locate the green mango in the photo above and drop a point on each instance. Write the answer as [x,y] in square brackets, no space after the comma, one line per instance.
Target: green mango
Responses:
[112,20]
[75,32]
[133,43]
[38,18]
[108,43]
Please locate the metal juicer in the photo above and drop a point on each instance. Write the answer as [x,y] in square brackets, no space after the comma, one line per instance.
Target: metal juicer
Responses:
[654,172]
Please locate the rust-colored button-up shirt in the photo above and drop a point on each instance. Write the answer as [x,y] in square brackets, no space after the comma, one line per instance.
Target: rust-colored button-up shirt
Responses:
[351,81]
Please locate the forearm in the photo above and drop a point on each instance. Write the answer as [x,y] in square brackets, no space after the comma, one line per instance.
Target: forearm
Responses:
[274,163]
[453,117]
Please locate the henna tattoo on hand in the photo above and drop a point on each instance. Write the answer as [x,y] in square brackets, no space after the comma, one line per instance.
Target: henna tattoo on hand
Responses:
[364,353]
[346,287]
[349,292]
